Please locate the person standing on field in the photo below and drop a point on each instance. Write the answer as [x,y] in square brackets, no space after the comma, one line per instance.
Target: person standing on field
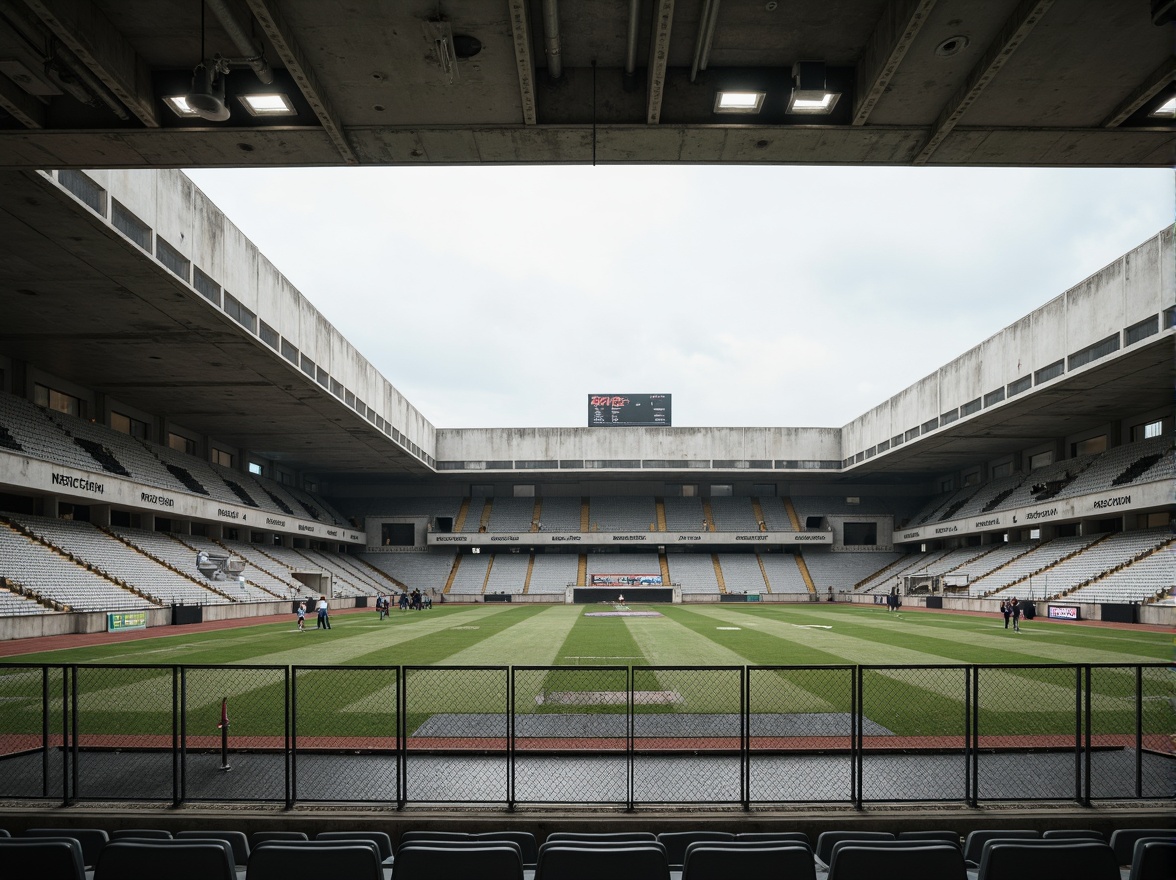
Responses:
[1015,610]
[1005,610]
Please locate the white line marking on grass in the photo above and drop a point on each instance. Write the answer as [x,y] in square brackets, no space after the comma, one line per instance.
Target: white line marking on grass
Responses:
[735,628]
[810,626]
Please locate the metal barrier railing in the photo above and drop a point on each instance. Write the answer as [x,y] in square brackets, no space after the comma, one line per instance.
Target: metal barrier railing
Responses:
[621,736]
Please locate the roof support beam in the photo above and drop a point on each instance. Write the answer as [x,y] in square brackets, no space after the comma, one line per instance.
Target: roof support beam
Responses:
[521,35]
[20,105]
[88,33]
[659,57]
[293,59]
[1156,80]
[893,35]
[1024,18]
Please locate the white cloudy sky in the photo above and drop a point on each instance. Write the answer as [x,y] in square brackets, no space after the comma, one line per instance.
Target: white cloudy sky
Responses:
[797,296]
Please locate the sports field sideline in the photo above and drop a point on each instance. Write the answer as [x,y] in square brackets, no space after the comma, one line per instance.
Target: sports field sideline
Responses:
[693,635]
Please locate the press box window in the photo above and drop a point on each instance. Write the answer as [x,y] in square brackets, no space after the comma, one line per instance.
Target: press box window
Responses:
[180,443]
[130,226]
[256,468]
[59,401]
[219,456]
[308,366]
[1051,372]
[1020,386]
[127,425]
[970,407]
[172,259]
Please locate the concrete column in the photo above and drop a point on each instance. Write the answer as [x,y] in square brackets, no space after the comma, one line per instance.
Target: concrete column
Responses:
[100,514]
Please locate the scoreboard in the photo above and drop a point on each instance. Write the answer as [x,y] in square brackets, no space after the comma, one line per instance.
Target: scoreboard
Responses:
[629,411]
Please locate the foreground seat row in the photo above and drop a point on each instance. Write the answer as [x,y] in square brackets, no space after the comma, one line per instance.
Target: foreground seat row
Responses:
[513,855]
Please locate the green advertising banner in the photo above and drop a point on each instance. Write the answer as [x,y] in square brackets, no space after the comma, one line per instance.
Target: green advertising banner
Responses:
[119,621]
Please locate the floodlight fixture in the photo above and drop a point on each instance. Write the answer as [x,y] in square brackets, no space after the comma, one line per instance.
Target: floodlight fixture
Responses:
[810,95]
[735,101]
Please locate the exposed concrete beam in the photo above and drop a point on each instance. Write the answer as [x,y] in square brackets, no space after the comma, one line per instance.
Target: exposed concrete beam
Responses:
[23,107]
[893,35]
[1156,80]
[88,33]
[1018,26]
[281,37]
[659,57]
[521,33]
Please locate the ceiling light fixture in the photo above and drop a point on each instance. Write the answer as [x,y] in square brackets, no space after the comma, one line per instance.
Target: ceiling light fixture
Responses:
[739,101]
[810,94]
[270,104]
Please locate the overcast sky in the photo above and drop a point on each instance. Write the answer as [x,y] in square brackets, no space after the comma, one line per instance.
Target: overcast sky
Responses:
[793,296]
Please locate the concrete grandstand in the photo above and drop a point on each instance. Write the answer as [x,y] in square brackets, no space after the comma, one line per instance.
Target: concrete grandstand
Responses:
[1038,463]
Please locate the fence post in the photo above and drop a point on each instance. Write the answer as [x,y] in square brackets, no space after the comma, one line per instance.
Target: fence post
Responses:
[401,739]
[629,741]
[183,733]
[176,738]
[1087,710]
[288,736]
[1079,740]
[856,703]
[70,707]
[510,739]
[973,794]
[745,737]
[1139,731]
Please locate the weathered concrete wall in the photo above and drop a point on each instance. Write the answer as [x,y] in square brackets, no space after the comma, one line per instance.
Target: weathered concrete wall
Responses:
[666,444]
[1137,286]
[175,208]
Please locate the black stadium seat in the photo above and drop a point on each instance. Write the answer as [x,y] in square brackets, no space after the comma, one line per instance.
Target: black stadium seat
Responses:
[913,860]
[46,858]
[314,860]
[165,860]
[748,861]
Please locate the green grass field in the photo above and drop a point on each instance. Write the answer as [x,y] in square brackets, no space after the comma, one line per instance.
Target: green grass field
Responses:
[922,698]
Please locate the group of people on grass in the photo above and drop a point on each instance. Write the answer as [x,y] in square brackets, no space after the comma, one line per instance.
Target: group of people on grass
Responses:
[324,615]
[1011,608]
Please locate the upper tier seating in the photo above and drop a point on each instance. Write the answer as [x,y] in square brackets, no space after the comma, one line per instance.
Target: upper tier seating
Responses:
[776,516]
[733,515]
[506,515]
[622,513]
[560,514]
[683,514]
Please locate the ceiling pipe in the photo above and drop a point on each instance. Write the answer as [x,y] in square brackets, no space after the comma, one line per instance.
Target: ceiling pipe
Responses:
[551,38]
[63,67]
[706,36]
[630,76]
[248,47]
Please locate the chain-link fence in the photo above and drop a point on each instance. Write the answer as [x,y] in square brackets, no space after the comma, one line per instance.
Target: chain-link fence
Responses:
[913,733]
[605,735]
[456,728]
[344,736]
[33,712]
[234,736]
[801,734]
[571,737]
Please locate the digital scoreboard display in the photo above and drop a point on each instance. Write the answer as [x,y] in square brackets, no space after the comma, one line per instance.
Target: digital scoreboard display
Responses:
[629,411]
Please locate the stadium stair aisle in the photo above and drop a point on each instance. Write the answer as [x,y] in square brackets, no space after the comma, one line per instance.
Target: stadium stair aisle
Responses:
[536,520]
[708,518]
[659,505]
[585,515]
[489,568]
[452,573]
[530,570]
[758,510]
[463,511]
[582,570]
[804,573]
[719,573]
[763,571]
[792,515]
